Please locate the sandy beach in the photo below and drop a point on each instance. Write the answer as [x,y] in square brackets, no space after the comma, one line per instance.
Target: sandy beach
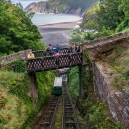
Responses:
[56,33]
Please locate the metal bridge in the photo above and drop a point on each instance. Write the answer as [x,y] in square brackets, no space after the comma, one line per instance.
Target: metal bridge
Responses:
[43,62]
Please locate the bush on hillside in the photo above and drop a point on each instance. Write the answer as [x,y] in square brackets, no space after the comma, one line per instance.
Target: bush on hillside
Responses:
[19,65]
[17,30]
[16,104]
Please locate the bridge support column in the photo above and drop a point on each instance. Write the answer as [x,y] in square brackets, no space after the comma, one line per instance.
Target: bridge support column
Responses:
[33,87]
[80,81]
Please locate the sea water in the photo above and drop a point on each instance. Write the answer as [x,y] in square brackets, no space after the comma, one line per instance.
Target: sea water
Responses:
[43,19]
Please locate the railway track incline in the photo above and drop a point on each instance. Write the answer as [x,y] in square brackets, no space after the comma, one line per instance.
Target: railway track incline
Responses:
[60,113]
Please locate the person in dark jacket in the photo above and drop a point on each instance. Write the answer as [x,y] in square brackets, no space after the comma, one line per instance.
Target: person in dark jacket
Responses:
[49,50]
[77,49]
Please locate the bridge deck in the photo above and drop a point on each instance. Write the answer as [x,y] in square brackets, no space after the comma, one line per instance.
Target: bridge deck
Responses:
[54,62]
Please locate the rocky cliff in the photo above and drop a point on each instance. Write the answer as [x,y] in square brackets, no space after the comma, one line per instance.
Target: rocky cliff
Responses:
[66,6]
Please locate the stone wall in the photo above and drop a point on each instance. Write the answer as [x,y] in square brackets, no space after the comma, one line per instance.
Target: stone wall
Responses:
[19,55]
[96,48]
[118,102]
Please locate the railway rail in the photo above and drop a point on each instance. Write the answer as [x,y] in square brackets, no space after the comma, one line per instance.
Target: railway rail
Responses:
[59,114]
[69,117]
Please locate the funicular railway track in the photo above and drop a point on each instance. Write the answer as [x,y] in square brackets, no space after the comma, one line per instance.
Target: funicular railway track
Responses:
[69,117]
[62,106]
[46,119]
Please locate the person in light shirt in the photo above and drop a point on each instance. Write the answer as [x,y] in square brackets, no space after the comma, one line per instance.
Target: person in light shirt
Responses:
[73,47]
[30,55]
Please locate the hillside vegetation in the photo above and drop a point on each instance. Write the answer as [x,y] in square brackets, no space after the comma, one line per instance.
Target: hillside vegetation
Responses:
[61,6]
[107,17]
[104,18]
[17,32]
[17,110]
[96,114]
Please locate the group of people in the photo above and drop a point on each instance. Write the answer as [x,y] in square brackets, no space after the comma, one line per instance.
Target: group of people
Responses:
[50,50]
[75,48]
[57,51]
[51,53]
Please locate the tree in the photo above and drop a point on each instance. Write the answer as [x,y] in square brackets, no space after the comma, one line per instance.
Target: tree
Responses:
[109,15]
[124,8]
[17,30]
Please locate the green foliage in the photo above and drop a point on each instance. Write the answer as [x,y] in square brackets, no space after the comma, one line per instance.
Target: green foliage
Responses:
[3,100]
[17,31]
[19,66]
[123,26]
[107,17]
[123,7]
[94,112]
[80,36]
[119,82]
[90,25]
[119,62]
[104,33]
[45,83]
[73,82]
[98,117]
[16,104]
[89,18]
[114,55]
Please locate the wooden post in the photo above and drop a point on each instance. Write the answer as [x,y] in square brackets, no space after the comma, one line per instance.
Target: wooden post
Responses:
[80,82]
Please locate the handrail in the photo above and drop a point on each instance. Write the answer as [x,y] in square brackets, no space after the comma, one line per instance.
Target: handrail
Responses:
[42,53]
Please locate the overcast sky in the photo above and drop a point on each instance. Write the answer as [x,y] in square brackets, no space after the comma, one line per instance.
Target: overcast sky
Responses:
[25,3]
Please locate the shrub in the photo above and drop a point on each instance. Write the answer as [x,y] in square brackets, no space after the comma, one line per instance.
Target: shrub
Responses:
[19,66]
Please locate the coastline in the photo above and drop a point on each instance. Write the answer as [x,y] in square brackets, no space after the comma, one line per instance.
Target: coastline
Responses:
[70,22]
[57,33]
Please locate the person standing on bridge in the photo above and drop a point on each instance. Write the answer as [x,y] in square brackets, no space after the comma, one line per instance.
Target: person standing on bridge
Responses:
[77,48]
[73,47]
[30,55]
[57,47]
[49,49]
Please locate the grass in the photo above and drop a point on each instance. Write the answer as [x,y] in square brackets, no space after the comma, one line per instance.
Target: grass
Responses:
[10,118]
[16,105]
[119,62]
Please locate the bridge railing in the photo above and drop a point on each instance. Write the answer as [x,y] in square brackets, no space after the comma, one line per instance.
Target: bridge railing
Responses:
[54,62]
[43,53]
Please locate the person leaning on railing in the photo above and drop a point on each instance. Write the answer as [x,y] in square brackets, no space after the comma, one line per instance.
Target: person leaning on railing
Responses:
[49,50]
[57,47]
[30,55]
[73,47]
[77,48]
